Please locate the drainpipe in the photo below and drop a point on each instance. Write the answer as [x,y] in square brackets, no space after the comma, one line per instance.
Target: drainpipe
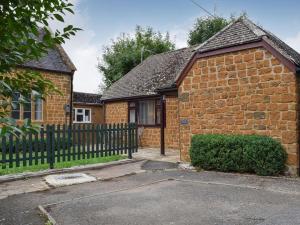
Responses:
[162,124]
[71,100]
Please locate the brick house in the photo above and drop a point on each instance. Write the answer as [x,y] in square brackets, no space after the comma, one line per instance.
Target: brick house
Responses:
[87,108]
[243,80]
[55,109]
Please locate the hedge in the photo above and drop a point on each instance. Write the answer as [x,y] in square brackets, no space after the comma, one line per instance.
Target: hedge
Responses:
[238,153]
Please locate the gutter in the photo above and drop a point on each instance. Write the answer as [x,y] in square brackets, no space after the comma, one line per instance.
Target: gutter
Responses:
[130,98]
[162,90]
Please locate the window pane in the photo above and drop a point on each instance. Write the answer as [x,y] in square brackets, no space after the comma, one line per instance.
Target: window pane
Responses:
[79,110]
[27,108]
[15,112]
[87,116]
[132,116]
[38,114]
[132,104]
[158,113]
[79,118]
[147,112]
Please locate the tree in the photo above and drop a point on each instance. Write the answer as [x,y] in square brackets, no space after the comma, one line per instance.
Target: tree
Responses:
[25,35]
[127,51]
[204,28]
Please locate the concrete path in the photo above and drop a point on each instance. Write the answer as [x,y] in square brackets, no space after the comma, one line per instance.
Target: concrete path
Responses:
[39,184]
[171,155]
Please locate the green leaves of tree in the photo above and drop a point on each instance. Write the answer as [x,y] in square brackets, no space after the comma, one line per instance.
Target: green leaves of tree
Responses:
[204,28]
[125,52]
[25,36]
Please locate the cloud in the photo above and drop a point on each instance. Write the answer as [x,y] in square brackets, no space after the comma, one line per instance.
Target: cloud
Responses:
[83,50]
[294,42]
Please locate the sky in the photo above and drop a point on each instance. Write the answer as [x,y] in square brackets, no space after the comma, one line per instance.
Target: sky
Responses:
[104,20]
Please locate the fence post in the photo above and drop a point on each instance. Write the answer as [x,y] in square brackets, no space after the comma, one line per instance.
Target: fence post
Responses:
[50,146]
[129,142]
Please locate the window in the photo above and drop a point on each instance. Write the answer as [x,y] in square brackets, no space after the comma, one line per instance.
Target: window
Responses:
[81,115]
[24,111]
[27,108]
[38,108]
[146,112]
[15,112]
[132,112]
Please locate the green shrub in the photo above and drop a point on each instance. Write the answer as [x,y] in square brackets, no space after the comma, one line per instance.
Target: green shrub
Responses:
[238,153]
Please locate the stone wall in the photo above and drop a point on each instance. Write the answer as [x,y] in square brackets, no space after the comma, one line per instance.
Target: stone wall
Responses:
[53,107]
[245,92]
[116,112]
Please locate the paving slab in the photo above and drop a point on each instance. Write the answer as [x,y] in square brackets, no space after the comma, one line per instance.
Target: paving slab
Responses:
[158,165]
[171,155]
[60,180]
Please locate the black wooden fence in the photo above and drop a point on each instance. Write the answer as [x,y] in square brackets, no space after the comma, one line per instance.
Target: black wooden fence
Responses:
[60,143]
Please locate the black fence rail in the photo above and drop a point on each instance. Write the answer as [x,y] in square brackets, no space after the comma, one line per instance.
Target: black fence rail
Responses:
[60,143]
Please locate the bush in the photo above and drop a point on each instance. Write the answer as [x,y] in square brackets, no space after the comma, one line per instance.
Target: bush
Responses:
[238,153]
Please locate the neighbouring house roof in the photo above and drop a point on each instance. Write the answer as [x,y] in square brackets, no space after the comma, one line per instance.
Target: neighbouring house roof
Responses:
[86,98]
[157,71]
[55,60]
[162,70]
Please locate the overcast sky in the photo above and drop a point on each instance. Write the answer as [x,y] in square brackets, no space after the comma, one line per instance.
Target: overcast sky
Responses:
[103,20]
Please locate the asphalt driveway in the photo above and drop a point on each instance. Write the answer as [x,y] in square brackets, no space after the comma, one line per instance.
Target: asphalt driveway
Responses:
[163,197]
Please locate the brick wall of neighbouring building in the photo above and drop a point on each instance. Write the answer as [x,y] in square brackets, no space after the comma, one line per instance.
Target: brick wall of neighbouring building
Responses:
[244,92]
[97,112]
[117,112]
[53,107]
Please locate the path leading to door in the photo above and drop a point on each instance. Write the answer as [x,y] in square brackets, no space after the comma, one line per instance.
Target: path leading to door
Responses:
[171,155]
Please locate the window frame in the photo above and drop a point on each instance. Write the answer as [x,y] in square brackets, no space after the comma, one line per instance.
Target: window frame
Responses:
[32,109]
[136,108]
[83,112]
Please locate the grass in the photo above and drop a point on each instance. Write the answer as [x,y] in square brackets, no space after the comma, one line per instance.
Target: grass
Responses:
[59,165]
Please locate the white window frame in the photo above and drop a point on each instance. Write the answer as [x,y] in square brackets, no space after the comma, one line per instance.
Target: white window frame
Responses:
[83,112]
[35,111]
[32,109]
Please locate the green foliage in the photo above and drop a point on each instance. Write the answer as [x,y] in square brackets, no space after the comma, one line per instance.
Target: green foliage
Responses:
[238,153]
[20,26]
[204,28]
[125,52]
[25,36]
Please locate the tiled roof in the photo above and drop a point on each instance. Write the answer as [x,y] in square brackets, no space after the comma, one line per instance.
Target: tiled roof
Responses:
[55,60]
[86,98]
[162,70]
[243,31]
[157,71]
